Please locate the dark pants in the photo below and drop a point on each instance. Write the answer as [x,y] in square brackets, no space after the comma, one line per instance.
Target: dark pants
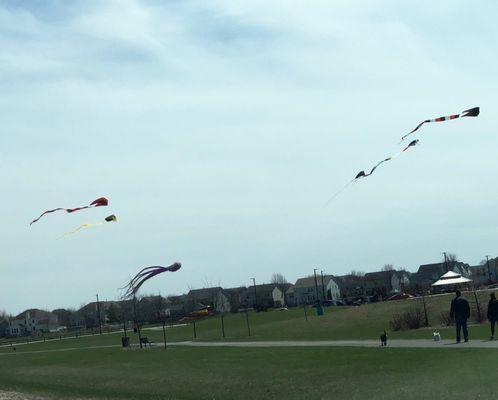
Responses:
[492,322]
[461,323]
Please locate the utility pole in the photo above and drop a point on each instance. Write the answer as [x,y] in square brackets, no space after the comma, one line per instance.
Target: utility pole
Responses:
[98,311]
[316,284]
[323,287]
[489,270]
[445,261]
[255,294]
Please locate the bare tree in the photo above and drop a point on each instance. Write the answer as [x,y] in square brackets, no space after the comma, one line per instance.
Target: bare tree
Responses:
[388,267]
[356,273]
[278,278]
[451,257]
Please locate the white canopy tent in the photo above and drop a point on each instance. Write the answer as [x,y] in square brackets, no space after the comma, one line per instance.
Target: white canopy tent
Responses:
[451,278]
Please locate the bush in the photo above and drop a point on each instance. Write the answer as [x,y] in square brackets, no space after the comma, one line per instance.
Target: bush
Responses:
[446,319]
[409,319]
[396,323]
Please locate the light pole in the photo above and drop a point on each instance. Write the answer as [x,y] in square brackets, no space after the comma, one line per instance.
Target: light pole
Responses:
[323,286]
[489,270]
[445,262]
[316,284]
[255,294]
[98,311]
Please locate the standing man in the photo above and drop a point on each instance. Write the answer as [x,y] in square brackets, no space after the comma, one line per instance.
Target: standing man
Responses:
[492,313]
[460,310]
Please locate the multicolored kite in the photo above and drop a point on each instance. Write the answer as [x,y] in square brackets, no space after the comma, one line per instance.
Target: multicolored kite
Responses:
[363,174]
[110,218]
[101,201]
[144,275]
[471,112]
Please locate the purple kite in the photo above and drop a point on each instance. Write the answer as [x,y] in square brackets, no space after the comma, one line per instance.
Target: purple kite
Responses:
[144,275]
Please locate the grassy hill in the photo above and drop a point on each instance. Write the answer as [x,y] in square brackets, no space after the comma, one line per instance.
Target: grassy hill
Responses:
[364,322]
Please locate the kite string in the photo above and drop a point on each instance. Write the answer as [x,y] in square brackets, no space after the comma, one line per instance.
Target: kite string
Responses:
[338,192]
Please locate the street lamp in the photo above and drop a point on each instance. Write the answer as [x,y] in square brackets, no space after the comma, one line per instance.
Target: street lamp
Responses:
[255,294]
[445,261]
[316,284]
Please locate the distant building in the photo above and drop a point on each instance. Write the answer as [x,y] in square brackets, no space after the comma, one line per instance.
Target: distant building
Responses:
[427,274]
[236,299]
[212,297]
[308,291]
[384,283]
[32,322]
[266,295]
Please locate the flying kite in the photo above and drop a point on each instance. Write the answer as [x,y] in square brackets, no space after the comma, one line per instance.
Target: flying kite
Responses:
[110,218]
[363,174]
[471,112]
[144,275]
[101,201]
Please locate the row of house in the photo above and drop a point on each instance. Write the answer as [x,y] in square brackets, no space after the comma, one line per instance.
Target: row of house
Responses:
[307,290]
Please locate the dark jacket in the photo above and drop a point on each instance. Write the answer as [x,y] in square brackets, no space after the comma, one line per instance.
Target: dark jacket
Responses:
[493,310]
[460,308]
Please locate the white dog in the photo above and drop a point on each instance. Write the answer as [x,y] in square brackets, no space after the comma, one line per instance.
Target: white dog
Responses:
[436,335]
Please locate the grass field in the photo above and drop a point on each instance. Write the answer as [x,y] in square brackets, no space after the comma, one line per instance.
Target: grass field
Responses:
[204,373]
[365,322]
[258,373]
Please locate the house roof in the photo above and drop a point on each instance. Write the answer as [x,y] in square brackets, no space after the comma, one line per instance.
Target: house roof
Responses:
[205,293]
[310,281]
[451,278]
[379,275]
[36,313]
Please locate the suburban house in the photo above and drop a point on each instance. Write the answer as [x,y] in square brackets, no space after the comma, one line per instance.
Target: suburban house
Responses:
[427,274]
[32,322]
[350,286]
[383,283]
[4,326]
[481,275]
[308,290]
[212,297]
[266,295]
[236,298]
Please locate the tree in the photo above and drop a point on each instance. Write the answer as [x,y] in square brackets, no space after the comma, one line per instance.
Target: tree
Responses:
[112,314]
[357,274]
[388,267]
[451,257]
[278,278]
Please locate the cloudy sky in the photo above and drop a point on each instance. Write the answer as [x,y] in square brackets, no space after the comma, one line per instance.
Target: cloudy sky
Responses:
[219,129]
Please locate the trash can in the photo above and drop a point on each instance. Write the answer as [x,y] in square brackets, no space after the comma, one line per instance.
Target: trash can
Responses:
[319,309]
[125,341]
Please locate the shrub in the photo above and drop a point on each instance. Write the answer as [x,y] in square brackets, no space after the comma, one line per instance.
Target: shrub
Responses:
[446,319]
[396,323]
[414,318]
[409,319]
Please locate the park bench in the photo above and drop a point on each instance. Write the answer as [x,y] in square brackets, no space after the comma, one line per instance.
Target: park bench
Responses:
[145,341]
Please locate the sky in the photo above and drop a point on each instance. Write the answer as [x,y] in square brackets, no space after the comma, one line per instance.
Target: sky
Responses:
[219,129]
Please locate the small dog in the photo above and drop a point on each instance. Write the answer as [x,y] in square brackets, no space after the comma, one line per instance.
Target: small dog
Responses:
[383,339]
[436,336]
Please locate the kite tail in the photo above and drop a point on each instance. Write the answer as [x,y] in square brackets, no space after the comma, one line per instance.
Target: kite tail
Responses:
[44,213]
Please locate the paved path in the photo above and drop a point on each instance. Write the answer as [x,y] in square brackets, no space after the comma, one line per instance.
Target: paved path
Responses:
[401,343]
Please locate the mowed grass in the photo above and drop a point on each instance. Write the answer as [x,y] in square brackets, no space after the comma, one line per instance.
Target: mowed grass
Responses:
[365,322]
[251,373]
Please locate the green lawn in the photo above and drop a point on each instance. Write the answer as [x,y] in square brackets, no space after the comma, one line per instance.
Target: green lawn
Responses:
[234,373]
[365,322]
